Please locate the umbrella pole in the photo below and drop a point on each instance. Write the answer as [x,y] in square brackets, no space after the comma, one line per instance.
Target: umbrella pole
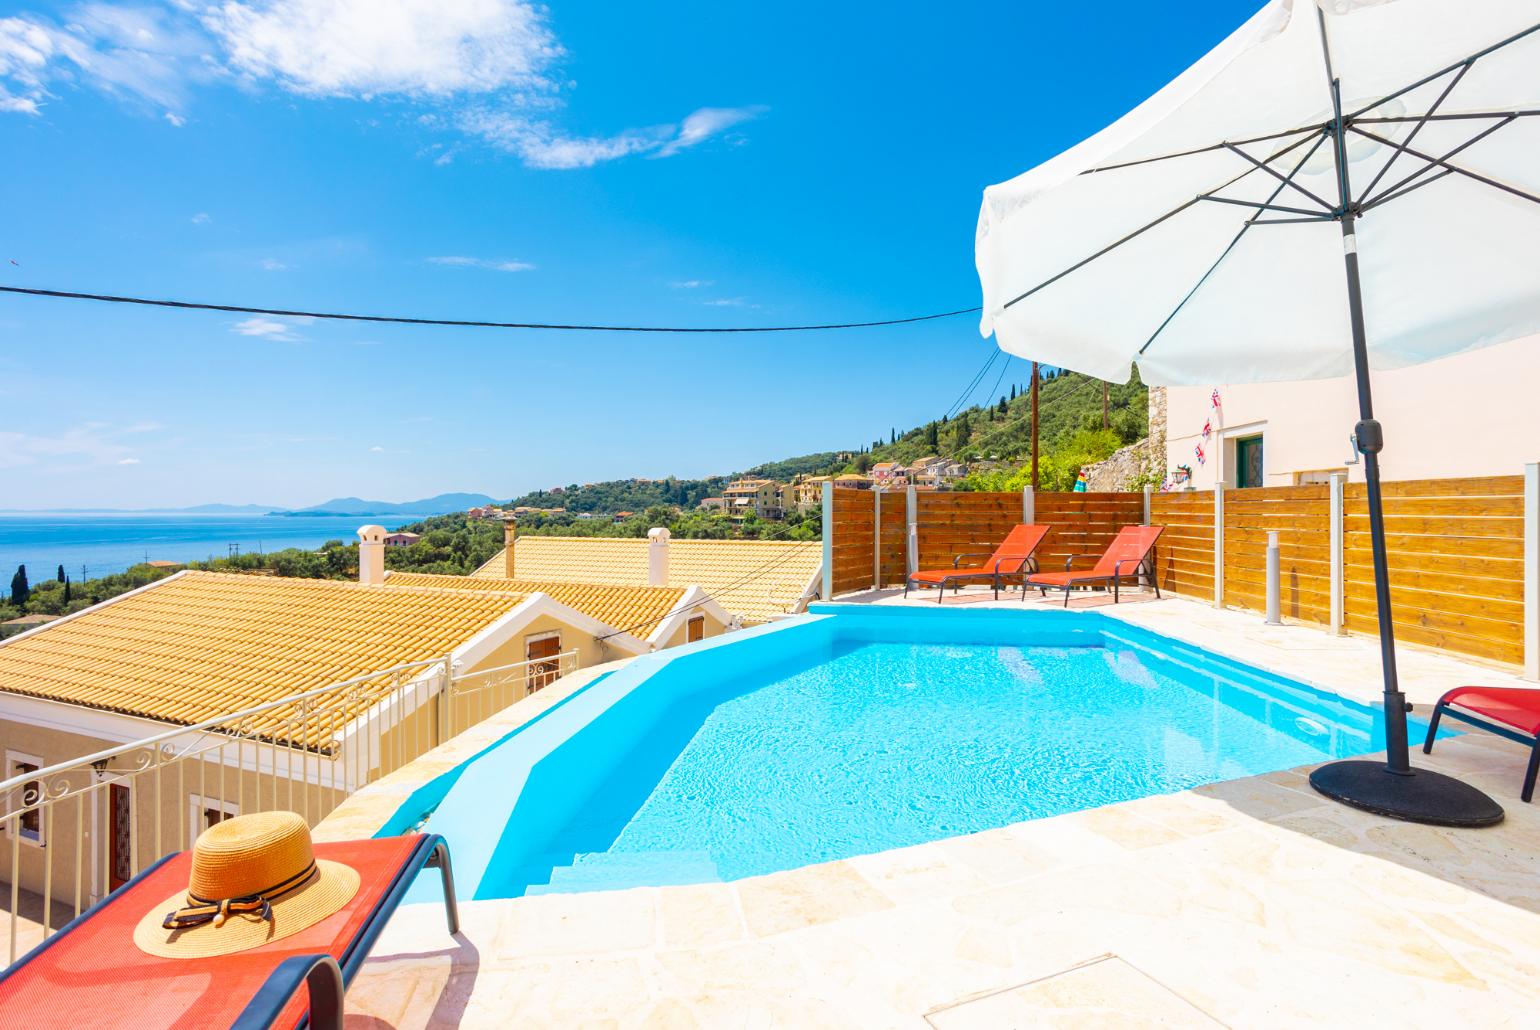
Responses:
[1393,788]
[1370,439]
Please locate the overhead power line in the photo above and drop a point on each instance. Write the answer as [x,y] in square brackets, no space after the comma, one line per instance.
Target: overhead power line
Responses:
[241,309]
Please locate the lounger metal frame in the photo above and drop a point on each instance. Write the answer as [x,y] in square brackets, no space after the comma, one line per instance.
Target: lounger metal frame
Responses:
[326,978]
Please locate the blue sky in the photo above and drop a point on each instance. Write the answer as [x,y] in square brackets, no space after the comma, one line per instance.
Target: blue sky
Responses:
[683,163]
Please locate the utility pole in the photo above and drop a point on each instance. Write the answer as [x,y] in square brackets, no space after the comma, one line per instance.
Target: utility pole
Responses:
[1034,425]
[1104,404]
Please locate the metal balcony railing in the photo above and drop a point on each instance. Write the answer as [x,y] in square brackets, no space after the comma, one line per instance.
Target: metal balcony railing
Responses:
[74,831]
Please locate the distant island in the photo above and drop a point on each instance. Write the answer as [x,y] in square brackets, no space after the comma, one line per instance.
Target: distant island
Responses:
[358,506]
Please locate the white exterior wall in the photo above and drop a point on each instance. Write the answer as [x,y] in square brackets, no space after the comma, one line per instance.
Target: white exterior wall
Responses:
[1474,414]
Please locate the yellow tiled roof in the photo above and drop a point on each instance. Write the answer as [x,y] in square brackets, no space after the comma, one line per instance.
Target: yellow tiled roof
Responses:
[202,644]
[635,609]
[753,579]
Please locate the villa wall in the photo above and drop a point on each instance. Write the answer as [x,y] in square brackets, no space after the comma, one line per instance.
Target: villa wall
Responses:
[1472,414]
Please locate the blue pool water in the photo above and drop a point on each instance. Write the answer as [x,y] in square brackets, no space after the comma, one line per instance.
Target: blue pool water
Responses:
[849,733]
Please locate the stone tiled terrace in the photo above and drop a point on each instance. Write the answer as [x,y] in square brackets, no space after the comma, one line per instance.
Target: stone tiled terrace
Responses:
[1254,902]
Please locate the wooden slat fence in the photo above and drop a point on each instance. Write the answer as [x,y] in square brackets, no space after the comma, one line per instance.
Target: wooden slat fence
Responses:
[1456,549]
[853,524]
[1456,554]
[1300,516]
[1083,523]
[956,522]
[893,542]
[1184,558]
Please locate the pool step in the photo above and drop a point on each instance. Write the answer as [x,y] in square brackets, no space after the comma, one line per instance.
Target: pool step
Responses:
[617,870]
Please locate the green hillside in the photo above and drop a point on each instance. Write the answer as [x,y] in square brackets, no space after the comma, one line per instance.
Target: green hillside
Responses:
[1070,421]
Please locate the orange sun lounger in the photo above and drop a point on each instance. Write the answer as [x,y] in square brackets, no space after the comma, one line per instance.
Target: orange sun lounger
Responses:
[90,974]
[1012,558]
[1133,550]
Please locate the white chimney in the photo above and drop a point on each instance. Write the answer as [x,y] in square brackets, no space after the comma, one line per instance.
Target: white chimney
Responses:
[371,555]
[657,557]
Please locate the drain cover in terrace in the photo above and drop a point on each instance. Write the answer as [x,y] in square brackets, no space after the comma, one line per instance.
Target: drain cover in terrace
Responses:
[1104,992]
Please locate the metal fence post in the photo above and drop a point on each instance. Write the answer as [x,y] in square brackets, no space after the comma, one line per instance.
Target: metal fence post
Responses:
[1337,619]
[876,538]
[1532,571]
[1219,543]
[1028,505]
[828,542]
[912,535]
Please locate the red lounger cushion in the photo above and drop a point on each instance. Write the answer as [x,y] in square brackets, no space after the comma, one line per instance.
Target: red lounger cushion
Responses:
[94,976]
[1518,707]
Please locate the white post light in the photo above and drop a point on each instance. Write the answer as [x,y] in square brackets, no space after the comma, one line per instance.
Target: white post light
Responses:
[1273,603]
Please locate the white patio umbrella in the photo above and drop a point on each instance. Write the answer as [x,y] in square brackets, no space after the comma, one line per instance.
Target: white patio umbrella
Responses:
[1338,186]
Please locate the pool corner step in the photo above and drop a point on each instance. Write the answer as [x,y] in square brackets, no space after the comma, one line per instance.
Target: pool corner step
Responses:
[617,870]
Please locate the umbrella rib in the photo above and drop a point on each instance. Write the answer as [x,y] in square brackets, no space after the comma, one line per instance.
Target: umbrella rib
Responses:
[1453,167]
[1374,201]
[1388,195]
[1369,189]
[1446,70]
[1454,116]
[1264,207]
[1209,149]
[1226,252]
[1147,227]
[1286,180]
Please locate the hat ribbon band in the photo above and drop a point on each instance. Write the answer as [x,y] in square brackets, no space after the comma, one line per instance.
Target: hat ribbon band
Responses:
[208,910]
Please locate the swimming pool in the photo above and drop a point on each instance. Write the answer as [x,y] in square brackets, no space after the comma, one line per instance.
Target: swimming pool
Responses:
[854,730]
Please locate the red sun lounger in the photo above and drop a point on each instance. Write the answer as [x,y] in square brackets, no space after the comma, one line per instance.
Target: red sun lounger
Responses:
[1512,712]
[1130,555]
[1012,558]
[91,974]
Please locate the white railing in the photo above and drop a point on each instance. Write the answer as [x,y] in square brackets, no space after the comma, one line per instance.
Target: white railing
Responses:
[78,829]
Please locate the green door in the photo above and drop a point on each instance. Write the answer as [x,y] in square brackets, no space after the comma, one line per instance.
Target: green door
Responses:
[1248,461]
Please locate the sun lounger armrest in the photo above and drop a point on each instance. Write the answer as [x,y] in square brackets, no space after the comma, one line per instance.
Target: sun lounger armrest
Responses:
[969,554]
[1070,560]
[320,973]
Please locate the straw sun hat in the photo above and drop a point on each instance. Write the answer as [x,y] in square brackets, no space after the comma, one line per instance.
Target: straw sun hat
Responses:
[254,881]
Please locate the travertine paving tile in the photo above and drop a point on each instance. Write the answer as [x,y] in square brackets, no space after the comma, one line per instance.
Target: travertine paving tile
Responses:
[1104,993]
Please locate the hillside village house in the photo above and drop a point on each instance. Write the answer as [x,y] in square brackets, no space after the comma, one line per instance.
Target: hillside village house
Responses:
[754,581]
[401,539]
[201,646]
[764,497]
[887,475]
[1472,414]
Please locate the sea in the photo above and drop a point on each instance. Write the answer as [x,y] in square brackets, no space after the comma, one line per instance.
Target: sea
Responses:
[91,545]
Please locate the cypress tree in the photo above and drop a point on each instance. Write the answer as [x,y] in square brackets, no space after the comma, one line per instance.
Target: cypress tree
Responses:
[62,576]
[66,588]
[20,590]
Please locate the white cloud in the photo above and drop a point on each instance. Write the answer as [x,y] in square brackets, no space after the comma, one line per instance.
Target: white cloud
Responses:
[459,261]
[539,145]
[362,48]
[690,284]
[376,450]
[128,461]
[725,302]
[146,54]
[269,328]
[705,123]
[272,265]
[484,68]
[90,443]
[201,218]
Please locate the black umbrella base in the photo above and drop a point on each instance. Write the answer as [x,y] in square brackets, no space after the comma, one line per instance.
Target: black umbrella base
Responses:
[1423,797]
